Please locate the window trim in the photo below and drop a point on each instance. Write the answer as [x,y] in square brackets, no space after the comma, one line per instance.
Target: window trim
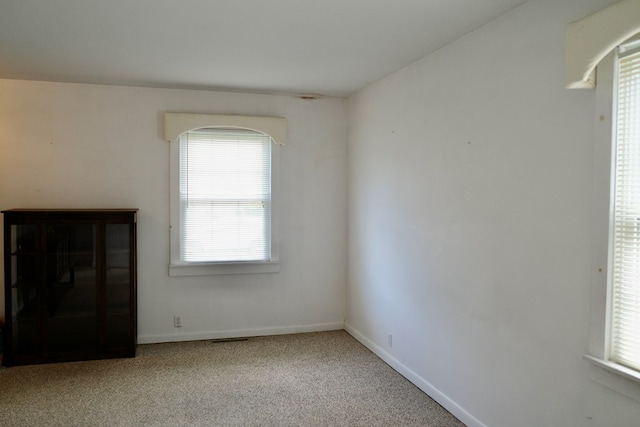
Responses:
[591,38]
[605,371]
[178,123]
[629,47]
[590,43]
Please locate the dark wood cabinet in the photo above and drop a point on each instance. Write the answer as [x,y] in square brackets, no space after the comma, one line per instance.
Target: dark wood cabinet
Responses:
[70,285]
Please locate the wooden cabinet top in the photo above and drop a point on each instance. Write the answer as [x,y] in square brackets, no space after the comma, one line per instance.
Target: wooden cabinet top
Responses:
[54,214]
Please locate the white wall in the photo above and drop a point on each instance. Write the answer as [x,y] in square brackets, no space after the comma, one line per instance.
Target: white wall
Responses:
[73,145]
[470,225]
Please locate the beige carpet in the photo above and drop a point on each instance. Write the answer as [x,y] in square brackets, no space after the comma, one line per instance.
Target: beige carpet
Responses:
[317,379]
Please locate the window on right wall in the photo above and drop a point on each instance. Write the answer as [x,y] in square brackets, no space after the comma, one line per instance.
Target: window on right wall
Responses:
[614,323]
[623,296]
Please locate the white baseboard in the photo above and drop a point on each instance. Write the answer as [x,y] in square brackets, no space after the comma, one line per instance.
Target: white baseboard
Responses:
[416,379]
[237,333]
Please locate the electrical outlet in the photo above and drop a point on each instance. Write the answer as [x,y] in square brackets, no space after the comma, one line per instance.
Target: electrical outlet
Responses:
[177,322]
[390,340]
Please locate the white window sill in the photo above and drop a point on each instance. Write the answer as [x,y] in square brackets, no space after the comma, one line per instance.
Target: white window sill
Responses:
[206,269]
[616,377]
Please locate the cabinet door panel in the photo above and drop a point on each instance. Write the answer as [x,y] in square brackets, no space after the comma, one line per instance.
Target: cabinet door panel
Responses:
[71,288]
[24,289]
[118,284]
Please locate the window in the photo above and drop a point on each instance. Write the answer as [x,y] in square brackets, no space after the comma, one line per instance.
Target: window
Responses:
[224,172]
[624,280]
[614,342]
[615,306]
[225,196]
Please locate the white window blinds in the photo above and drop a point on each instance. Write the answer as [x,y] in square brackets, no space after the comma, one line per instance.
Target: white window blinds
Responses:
[625,280]
[225,196]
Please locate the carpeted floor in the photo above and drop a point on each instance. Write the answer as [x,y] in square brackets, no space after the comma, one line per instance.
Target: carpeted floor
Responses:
[316,379]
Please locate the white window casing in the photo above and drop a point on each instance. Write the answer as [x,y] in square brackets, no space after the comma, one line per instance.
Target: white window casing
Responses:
[590,39]
[592,42]
[244,201]
[624,281]
[612,336]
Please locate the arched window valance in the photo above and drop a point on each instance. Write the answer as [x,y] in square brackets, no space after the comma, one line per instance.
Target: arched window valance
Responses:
[592,38]
[175,124]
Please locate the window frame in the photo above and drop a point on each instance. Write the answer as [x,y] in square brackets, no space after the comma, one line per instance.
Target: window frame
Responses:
[178,123]
[605,371]
[633,48]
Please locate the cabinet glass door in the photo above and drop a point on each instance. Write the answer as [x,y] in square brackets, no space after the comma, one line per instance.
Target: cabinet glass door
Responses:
[71,288]
[118,284]
[24,289]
